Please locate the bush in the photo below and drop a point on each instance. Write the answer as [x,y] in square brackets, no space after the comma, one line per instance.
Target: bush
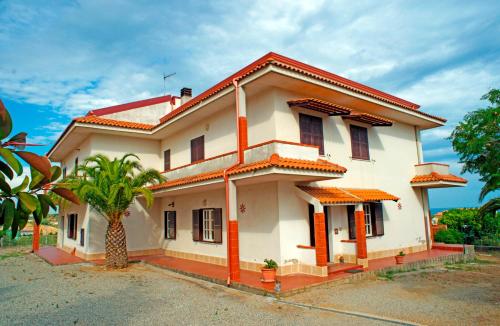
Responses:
[449,236]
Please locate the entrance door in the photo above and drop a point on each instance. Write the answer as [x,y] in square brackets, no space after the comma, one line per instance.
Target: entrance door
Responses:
[327,228]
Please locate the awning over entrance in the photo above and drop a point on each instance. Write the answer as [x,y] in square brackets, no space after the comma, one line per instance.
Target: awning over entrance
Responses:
[346,195]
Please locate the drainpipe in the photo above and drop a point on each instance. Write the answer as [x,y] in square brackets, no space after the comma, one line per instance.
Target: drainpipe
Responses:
[239,160]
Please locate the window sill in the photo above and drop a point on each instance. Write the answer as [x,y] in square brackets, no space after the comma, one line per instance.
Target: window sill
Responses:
[305,247]
[368,237]
[361,159]
[349,241]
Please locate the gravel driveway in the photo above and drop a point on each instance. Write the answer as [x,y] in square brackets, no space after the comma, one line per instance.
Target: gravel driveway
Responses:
[35,293]
[460,294]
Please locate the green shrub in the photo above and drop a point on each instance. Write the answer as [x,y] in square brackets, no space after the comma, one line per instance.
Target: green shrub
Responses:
[449,236]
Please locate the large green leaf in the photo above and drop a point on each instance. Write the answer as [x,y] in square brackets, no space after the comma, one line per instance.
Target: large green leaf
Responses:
[5,169]
[5,121]
[46,199]
[67,194]
[56,173]
[11,160]
[4,186]
[44,206]
[28,201]
[19,138]
[15,224]
[8,209]
[36,178]
[22,186]
[41,163]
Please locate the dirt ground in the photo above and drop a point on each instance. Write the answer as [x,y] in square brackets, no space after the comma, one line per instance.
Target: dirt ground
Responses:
[33,292]
[459,294]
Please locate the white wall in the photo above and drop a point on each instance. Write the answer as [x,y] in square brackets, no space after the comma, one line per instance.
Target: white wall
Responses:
[148,114]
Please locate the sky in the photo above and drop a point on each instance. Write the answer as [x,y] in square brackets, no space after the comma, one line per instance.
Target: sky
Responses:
[60,59]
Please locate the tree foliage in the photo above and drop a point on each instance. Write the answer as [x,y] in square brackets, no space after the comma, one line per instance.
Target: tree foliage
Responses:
[478,225]
[110,186]
[34,196]
[477,141]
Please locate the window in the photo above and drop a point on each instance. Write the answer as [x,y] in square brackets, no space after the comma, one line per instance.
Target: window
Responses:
[197,149]
[311,131]
[72,225]
[82,237]
[374,220]
[368,219]
[170,224]
[359,143]
[166,160]
[207,225]
[64,171]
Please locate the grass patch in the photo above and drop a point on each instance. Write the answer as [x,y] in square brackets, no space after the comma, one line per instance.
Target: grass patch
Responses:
[390,274]
[11,255]
[467,265]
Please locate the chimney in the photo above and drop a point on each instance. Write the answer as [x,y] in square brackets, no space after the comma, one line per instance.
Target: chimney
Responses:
[186,94]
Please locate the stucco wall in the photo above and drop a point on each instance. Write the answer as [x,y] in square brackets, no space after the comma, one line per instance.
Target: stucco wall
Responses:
[148,114]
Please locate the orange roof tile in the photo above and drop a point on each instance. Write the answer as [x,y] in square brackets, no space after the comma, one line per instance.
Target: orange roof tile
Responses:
[274,161]
[92,119]
[332,195]
[434,176]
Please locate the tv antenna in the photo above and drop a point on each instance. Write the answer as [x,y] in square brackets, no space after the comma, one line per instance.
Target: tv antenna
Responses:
[165,76]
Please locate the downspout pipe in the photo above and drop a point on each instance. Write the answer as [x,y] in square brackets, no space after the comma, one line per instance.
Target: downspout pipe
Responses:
[239,160]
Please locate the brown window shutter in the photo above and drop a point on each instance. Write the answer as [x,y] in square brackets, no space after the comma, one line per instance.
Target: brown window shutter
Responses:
[82,237]
[166,160]
[197,226]
[218,225]
[377,211]
[363,144]
[197,149]
[75,227]
[311,131]
[170,224]
[351,221]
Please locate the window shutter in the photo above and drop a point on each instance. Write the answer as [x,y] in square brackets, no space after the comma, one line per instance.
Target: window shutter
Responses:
[218,225]
[311,131]
[196,225]
[173,225]
[197,149]
[82,237]
[166,160]
[363,143]
[70,227]
[351,221]
[379,218]
[355,142]
[75,226]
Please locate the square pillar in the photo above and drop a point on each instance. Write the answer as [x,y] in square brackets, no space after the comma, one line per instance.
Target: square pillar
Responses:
[36,237]
[361,251]
[320,239]
[233,248]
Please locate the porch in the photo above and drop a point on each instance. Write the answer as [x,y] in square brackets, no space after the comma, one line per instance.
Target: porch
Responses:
[251,281]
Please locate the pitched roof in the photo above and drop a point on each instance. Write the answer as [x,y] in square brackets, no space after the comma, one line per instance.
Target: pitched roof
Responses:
[273,161]
[333,195]
[131,105]
[92,119]
[434,176]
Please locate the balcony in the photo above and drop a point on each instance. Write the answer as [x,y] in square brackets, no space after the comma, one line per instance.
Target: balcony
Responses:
[435,175]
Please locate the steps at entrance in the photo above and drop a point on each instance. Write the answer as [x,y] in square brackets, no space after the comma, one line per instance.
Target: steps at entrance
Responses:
[343,268]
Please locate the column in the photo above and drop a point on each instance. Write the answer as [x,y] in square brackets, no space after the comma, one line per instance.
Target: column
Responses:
[320,236]
[233,241]
[427,218]
[361,251]
[242,123]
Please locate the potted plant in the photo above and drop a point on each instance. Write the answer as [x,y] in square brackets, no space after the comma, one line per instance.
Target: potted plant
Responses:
[269,271]
[400,257]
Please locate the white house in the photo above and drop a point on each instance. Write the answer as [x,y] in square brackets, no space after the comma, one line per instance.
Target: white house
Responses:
[280,160]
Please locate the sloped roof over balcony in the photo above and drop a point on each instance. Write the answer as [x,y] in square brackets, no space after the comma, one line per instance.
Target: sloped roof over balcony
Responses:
[370,119]
[319,106]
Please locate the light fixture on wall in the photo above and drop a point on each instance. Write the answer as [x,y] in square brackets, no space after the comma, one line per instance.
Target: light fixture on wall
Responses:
[204,202]
[400,205]
[207,127]
[172,204]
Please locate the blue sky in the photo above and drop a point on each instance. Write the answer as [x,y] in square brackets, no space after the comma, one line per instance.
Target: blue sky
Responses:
[59,59]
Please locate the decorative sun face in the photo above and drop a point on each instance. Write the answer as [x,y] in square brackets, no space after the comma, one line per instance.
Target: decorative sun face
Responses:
[243,208]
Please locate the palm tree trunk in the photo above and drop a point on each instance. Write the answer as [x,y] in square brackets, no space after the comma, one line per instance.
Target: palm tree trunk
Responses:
[116,245]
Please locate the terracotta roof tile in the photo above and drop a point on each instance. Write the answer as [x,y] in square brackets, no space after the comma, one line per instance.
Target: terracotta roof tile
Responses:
[437,177]
[333,195]
[274,161]
[92,119]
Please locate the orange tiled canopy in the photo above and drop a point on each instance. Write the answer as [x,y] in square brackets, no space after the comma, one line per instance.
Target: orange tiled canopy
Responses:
[434,176]
[327,195]
[273,161]
[370,119]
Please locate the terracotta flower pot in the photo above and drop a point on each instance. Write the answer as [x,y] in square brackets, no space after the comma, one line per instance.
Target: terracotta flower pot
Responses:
[399,259]
[268,275]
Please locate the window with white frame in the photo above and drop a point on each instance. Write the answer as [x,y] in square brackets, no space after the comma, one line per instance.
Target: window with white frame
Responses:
[208,225]
[368,219]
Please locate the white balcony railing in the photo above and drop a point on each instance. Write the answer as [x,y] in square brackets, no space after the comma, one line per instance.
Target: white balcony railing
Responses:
[428,168]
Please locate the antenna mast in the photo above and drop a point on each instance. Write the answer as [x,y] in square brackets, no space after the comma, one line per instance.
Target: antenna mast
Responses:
[165,76]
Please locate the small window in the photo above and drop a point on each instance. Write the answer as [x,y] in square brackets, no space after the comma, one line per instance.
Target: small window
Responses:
[170,225]
[359,143]
[368,219]
[166,160]
[207,225]
[72,226]
[198,149]
[82,237]
[64,171]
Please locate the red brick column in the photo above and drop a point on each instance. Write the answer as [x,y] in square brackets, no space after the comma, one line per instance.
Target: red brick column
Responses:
[35,245]
[234,252]
[360,234]
[320,239]
[243,136]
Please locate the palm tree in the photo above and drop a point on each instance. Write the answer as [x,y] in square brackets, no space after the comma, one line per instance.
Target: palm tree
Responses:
[110,187]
